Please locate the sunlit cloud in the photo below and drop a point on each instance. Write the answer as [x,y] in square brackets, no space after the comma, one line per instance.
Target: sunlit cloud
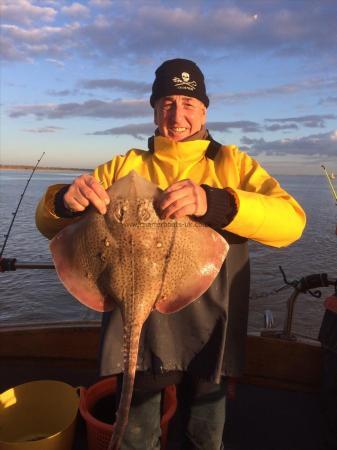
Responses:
[25,12]
[30,43]
[101,3]
[76,10]
[9,52]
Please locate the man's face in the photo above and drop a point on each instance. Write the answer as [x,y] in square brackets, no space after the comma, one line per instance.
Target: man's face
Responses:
[179,117]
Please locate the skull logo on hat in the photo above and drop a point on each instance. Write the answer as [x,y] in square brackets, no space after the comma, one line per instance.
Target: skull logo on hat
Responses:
[184,82]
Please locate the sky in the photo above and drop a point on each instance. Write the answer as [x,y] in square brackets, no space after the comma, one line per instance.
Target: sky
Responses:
[76,77]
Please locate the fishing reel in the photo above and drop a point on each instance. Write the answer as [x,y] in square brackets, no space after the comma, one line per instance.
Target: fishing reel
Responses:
[7,264]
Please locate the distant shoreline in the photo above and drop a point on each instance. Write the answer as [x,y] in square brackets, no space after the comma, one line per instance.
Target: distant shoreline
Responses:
[27,167]
[41,168]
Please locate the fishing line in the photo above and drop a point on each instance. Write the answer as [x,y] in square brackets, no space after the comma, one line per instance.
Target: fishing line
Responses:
[17,208]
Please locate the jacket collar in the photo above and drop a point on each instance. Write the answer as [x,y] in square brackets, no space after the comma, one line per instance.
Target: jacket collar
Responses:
[210,152]
[165,149]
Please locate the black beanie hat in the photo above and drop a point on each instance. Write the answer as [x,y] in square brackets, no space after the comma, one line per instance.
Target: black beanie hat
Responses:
[179,77]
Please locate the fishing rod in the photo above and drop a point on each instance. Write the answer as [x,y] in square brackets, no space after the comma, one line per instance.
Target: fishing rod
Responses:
[8,264]
[17,208]
[330,184]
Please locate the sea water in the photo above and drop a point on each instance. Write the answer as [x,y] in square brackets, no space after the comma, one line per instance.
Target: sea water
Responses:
[28,296]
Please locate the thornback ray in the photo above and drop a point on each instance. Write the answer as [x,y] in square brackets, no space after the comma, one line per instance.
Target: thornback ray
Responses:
[133,259]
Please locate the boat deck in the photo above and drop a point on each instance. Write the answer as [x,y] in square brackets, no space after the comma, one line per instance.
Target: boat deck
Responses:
[262,419]
[259,418]
[276,407]
[272,419]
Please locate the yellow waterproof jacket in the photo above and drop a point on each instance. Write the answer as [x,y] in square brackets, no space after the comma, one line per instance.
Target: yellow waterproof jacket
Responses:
[265,211]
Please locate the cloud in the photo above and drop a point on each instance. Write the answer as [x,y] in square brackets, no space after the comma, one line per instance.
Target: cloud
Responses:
[62,93]
[56,62]
[138,131]
[29,43]
[311,121]
[141,130]
[76,10]
[9,52]
[315,144]
[144,29]
[285,89]
[46,129]
[117,84]
[23,11]
[245,125]
[91,108]
[279,127]
[100,3]
[195,29]
[328,101]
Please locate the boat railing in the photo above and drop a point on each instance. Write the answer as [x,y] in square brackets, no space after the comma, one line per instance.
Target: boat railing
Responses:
[309,284]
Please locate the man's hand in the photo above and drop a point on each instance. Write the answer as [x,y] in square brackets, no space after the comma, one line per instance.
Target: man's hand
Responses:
[183,198]
[83,191]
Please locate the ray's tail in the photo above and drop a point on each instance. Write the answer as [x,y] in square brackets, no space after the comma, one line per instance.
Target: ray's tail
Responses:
[131,343]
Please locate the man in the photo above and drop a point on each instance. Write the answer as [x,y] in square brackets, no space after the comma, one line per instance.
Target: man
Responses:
[328,338]
[223,188]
